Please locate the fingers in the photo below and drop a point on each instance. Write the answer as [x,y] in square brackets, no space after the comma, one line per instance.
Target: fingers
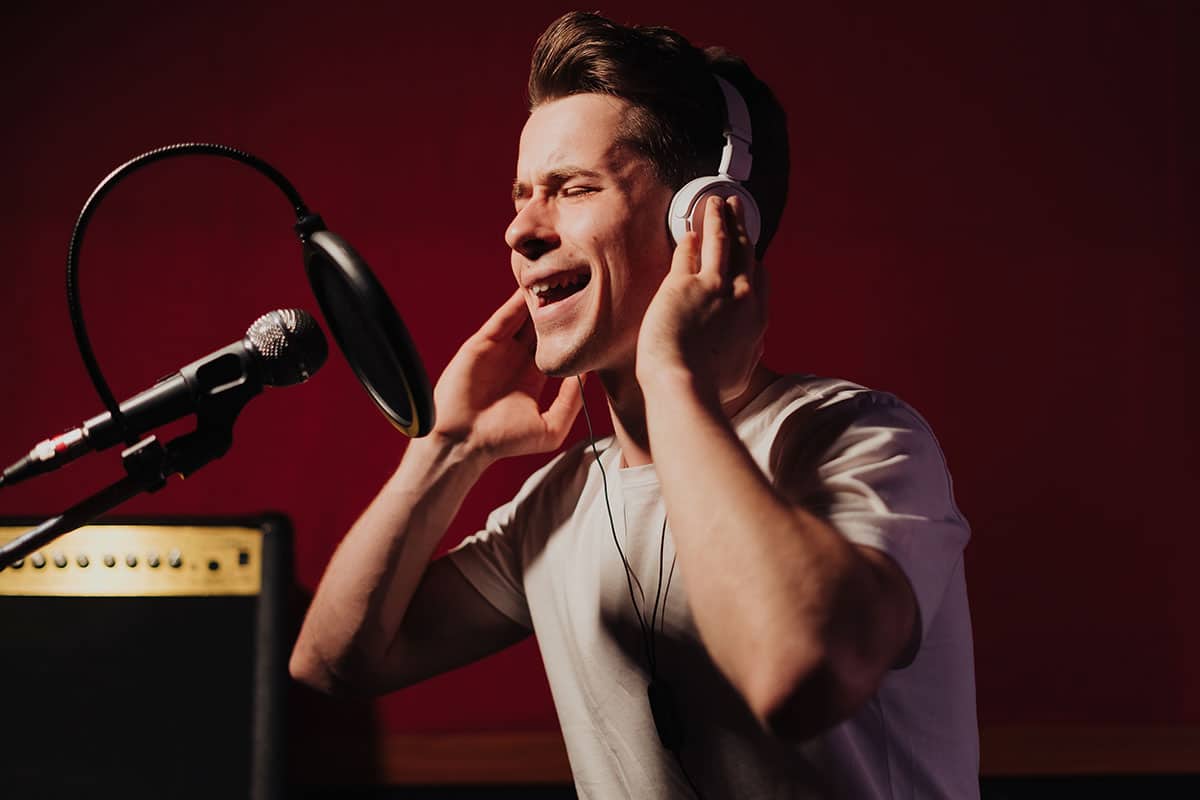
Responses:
[740,286]
[725,249]
[687,253]
[508,319]
[742,259]
[714,248]
[562,412]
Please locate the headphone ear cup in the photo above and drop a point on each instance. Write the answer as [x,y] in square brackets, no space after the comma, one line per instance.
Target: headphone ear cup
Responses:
[687,206]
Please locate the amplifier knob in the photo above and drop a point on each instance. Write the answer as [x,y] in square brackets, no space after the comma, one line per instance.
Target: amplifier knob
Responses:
[82,560]
[131,560]
[38,560]
[109,561]
[60,560]
[152,560]
[175,559]
[20,562]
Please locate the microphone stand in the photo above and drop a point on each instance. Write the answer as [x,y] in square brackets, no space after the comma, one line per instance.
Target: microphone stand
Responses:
[343,285]
[148,463]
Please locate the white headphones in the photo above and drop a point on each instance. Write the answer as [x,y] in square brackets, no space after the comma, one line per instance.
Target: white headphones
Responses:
[687,207]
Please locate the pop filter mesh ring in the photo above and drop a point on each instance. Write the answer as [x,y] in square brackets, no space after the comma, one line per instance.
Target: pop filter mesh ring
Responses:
[373,338]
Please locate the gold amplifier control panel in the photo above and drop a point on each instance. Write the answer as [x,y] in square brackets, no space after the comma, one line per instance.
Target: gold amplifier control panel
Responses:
[139,560]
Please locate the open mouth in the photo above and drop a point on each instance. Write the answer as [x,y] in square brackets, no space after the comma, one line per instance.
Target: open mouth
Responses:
[559,287]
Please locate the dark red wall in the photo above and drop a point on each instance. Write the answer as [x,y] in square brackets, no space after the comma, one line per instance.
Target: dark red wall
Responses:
[988,218]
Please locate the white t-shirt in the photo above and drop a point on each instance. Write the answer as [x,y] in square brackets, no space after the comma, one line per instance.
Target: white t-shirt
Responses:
[861,459]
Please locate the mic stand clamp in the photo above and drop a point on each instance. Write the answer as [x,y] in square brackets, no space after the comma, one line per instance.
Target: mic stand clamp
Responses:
[146,464]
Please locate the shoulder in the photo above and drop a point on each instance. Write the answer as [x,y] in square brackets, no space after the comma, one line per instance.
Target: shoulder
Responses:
[830,425]
[802,405]
[516,530]
[555,485]
[828,398]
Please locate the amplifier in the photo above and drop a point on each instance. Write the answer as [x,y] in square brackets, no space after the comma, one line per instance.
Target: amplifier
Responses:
[146,660]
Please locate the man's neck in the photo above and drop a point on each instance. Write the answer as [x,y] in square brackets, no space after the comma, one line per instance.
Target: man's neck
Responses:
[627,407]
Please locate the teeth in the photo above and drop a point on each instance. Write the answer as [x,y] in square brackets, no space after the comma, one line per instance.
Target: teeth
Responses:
[558,282]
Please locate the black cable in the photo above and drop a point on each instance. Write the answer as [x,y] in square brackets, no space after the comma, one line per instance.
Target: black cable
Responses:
[636,581]
[613,526]
[649,643]
[670,575]
[686,776]
[75,307]
[662,546]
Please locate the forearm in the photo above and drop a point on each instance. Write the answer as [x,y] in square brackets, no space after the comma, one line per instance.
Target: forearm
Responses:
[780,599]
[365,591]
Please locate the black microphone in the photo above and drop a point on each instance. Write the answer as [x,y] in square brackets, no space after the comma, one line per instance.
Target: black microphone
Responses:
[280,348]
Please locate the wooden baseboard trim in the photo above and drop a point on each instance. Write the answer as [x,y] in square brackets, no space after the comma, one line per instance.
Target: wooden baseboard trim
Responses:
[539,758]
[478,758]
[434,759]
[1072,749]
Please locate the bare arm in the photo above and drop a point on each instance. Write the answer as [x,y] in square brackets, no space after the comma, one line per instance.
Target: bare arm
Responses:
[382,616]
[350,635]
[802,622]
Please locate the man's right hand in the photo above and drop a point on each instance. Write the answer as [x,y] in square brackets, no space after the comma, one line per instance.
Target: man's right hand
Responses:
[487,397]
[358,633]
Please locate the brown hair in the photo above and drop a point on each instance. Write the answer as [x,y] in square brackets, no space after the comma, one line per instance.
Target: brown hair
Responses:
[678,111]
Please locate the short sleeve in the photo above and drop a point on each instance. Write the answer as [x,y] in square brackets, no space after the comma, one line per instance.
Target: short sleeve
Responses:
[493,559]
[878,476]
[490,560]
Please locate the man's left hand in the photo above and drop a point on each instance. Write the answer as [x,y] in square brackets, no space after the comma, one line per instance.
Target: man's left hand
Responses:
[708,318]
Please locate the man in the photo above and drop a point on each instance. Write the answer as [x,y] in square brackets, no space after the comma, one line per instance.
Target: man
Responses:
[755,587]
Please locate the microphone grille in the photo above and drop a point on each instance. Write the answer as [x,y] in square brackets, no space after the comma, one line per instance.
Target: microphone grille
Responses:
[290,345]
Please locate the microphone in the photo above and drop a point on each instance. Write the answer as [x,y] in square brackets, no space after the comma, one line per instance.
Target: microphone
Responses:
[280,348]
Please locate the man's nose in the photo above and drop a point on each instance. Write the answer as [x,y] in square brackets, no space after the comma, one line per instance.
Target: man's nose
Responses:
[532,231]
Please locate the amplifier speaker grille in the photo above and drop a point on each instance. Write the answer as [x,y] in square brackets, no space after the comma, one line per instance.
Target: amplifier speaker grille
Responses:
[128,680]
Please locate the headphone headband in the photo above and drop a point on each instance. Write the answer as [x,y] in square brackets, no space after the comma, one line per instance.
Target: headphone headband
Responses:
[687,206]
[735,156]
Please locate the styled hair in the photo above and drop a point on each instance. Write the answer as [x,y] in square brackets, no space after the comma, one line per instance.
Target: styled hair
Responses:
[677,114]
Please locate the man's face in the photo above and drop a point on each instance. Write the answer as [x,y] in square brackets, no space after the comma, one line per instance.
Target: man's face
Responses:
[589,241]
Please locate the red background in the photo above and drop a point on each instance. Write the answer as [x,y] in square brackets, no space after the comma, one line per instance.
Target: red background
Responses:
[987,218]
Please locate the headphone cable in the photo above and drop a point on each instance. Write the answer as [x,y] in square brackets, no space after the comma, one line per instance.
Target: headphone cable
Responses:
[649,640]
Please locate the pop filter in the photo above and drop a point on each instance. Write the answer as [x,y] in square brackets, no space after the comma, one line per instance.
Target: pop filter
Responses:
[363,320]
[367,329]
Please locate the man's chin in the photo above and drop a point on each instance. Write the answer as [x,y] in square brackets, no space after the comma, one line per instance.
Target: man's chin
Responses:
[560,370]
[558,364]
